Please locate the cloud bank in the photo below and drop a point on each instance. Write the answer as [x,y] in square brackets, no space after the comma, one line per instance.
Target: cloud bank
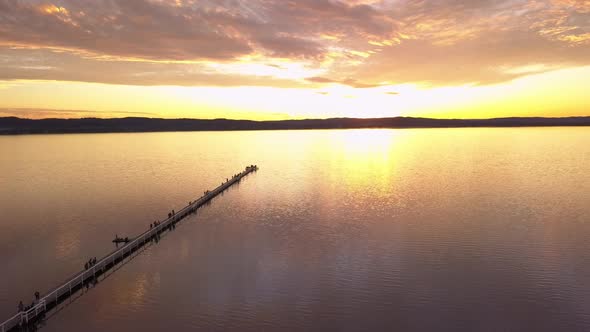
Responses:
[291,43]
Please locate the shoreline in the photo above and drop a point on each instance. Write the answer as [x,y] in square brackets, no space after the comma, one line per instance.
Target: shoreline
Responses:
[20,126]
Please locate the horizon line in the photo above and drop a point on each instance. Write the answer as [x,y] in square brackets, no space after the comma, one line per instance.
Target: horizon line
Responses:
[298,119]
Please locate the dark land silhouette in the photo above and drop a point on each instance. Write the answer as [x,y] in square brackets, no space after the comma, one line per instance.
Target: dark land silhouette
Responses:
[14,125]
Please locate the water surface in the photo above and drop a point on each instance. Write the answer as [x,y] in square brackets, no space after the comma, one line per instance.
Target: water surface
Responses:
[410,230]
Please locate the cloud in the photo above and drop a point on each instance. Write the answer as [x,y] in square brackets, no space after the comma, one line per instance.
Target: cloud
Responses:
[479,42]
[183,30]
[348,81]
[26,64]
[119,28]
[42,113]
[479,61]
[321,80]
[359,43]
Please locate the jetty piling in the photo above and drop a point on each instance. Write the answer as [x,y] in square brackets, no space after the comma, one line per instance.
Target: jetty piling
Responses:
[62,292]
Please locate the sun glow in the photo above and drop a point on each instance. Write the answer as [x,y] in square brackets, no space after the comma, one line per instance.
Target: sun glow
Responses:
[521,97]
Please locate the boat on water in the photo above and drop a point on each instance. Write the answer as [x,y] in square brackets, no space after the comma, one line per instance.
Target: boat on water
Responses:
[121,240]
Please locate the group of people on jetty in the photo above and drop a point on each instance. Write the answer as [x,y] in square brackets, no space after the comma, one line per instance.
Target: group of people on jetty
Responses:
[91,262]
[171,214]
[22,307]
[156,223]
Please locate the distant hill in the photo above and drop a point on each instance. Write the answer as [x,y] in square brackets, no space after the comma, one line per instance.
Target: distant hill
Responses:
[14,125]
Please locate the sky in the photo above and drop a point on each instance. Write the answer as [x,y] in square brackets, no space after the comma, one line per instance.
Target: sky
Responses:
[289,59]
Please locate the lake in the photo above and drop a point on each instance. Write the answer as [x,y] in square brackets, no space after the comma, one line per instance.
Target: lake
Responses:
[483,229]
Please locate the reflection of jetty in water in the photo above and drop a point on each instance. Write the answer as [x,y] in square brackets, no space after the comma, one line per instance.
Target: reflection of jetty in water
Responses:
[28,317]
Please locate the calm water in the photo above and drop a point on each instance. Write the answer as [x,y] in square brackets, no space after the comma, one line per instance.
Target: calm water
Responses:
[408,230]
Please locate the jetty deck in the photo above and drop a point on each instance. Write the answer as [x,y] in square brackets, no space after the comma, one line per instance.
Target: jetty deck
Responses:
[62,292]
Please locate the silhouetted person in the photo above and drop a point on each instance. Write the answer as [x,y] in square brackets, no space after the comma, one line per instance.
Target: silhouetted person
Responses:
[21,306]
[86,266]
[37,296]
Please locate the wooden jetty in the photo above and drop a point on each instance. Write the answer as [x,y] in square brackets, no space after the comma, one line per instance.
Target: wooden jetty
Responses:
[62,292]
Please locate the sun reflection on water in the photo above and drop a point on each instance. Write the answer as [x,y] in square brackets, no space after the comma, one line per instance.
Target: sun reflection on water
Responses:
[365,159]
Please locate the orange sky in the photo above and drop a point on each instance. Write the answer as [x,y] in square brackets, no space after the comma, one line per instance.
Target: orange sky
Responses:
[276,59]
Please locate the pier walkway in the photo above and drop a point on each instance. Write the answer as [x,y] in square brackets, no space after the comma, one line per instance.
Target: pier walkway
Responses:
[65,290]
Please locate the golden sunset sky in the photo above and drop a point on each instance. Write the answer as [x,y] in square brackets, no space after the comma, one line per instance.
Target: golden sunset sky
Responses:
[280,59]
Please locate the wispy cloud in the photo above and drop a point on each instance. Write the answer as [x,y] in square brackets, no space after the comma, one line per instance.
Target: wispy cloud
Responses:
[39,113]
[348,81]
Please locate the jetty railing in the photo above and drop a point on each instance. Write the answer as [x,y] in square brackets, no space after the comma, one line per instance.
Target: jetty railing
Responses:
[80,279]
